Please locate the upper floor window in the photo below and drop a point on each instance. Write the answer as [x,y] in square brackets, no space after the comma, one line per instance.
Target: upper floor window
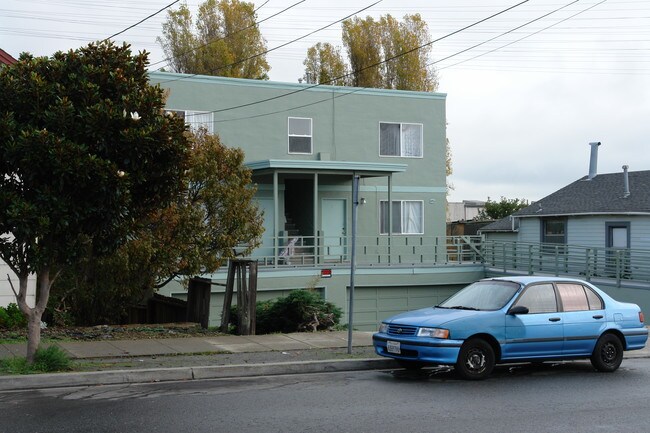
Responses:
[407,217]
[196,119]
[300,135]
[400,139]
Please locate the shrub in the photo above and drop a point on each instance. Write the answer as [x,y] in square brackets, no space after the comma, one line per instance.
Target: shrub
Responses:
[301,310]
[12,318]
[47,360]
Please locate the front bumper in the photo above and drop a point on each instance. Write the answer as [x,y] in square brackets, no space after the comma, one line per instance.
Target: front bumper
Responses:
[430,350]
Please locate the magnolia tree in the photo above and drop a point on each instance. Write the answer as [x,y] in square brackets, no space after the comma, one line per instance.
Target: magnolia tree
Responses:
[86,151]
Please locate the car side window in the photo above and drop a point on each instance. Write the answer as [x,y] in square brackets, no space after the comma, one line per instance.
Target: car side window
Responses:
[539,298]
[573,297]
[595,303]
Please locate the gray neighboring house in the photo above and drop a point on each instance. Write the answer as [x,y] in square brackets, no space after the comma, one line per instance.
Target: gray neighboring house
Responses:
[604,211]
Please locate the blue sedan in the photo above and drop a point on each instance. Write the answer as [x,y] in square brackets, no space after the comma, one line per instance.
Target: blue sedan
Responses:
[515,319]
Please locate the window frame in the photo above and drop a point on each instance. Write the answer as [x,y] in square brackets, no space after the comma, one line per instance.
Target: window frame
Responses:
[401,144]
[558,302]
[401,221]
[186,113]
[311,135]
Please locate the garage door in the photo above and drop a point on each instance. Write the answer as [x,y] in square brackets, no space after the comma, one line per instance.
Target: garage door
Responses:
[373,304]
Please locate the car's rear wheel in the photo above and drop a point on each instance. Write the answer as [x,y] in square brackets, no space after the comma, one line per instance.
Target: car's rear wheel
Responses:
[475,360]
[608,353]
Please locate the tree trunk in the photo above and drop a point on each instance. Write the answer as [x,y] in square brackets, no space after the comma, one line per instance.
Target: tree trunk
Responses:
[35,314]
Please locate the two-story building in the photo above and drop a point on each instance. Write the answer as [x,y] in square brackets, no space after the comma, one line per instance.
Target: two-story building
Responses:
[305,144]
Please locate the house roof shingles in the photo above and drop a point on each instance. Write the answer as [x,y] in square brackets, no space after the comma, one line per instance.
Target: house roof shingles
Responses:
[604,194]
[6,58]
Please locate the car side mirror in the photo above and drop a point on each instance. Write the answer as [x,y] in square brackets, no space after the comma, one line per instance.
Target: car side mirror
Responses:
[519,309]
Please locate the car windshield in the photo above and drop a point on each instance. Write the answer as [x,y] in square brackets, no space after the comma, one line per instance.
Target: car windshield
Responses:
[482,295]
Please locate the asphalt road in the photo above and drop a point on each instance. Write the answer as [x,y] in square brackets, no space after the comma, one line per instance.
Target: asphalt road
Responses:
[569,397]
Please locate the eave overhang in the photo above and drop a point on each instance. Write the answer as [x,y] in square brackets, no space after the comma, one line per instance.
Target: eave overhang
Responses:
[363,169]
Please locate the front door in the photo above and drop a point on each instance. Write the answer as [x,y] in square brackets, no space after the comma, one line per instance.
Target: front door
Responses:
[618,245]
[334,230]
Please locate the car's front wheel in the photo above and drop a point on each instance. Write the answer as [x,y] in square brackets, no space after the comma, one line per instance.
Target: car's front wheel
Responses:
[608,353]
[476,360]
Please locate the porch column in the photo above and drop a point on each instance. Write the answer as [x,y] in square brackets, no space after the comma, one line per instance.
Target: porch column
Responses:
[390,214]
[316,218]
[276,222]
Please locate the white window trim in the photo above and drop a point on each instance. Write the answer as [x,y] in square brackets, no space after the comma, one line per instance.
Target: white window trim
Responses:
[400,139]
[400,205]
[191,113]
[311,136]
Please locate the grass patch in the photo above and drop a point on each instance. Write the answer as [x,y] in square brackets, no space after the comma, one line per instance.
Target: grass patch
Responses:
[49,360]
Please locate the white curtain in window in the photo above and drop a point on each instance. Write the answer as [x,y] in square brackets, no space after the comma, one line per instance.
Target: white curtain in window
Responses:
[412,217]
[197,119]
[389,139]
[411,140]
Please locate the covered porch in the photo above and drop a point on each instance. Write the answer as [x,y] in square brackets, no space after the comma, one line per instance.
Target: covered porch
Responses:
[307,206]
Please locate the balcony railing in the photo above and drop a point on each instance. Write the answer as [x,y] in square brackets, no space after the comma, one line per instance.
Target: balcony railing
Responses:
[371,251]
[579,261]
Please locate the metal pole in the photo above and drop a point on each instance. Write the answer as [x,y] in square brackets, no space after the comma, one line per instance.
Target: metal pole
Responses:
[355,203]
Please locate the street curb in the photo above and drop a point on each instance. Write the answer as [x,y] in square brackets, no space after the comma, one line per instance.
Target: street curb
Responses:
[113,377]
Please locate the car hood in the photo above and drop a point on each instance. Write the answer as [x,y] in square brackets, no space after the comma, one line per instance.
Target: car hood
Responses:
[431,316]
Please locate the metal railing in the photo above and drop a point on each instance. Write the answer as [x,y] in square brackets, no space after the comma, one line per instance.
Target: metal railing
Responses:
[372,250]
[584,262]
[580,261]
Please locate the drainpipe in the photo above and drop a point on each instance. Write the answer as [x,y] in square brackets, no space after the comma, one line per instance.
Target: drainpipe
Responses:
[626,182]
[593,162]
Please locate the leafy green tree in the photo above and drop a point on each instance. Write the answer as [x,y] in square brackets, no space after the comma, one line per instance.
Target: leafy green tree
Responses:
[325,64]
[213,218]
[370,42]
[224,40]
[85,152]
[362,42]
[495,210]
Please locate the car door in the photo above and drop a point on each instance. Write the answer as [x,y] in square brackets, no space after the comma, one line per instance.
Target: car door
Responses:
[583,317]
[540,332]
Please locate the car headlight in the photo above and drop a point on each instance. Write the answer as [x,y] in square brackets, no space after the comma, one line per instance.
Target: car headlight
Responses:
[433,332]
[383,328]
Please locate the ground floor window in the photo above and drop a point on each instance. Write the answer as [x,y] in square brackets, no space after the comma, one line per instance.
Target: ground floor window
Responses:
[407,217]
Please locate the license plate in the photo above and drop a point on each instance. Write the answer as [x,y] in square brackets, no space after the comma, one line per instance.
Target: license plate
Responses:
[393,347]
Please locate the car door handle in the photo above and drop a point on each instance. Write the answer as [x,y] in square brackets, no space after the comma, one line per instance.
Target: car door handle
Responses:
[554,319]
[598,316]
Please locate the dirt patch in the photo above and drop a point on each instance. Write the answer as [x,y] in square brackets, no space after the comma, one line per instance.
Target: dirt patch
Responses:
[116,332]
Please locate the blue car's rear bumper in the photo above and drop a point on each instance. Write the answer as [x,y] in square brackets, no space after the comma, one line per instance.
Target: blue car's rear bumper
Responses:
[431,350]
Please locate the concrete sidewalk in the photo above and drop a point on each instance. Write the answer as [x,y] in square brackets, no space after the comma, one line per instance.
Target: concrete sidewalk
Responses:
[221,351]
[201,345]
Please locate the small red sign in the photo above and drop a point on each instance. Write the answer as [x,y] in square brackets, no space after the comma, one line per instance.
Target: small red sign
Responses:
[326,273]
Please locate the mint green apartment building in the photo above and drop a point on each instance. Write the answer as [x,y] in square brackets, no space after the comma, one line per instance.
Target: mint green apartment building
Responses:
[305,144]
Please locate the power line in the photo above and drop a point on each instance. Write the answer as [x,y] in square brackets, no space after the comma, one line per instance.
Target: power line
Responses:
[450,56]
[281,45]
[374,65]
[231,34]
[141,21]
[525,37]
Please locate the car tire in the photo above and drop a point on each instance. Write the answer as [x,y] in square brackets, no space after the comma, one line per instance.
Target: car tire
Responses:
[476,360]
[410,365]
[608,353]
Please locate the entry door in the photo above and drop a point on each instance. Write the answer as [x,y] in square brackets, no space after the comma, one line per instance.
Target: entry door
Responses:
[334,228]
[618,239]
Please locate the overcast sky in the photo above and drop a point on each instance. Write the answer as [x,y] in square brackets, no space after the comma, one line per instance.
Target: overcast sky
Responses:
[521,107]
